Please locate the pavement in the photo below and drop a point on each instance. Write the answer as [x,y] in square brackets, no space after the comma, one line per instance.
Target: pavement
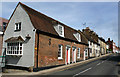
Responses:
[79,68]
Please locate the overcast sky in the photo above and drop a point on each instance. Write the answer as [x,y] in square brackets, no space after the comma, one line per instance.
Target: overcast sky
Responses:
[102,17]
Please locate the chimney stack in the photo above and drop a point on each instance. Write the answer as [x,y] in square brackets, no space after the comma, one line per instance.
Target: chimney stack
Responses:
[108,39]
[87,28]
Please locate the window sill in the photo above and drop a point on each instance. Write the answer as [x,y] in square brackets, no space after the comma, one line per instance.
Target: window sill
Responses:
[60,58]
[17,30]
[14,55]
[78,57]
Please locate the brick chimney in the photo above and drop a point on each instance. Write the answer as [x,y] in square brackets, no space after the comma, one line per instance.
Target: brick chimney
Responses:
[87,28]
[108,39]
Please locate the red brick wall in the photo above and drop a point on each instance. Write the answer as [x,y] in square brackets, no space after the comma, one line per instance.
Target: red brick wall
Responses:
[1,41]
[48,54]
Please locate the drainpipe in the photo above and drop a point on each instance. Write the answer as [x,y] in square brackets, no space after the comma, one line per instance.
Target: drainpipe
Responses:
[37,49]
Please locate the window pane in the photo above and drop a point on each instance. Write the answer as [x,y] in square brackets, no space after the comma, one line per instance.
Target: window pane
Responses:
[13,52]
[20,26]
[60,30]
[20,52]
[17,48]
[20,48]
[11,48]
[17,52]
[59,51]
[20,44]
[9,52]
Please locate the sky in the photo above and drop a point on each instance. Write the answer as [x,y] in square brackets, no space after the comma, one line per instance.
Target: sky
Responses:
[101,17]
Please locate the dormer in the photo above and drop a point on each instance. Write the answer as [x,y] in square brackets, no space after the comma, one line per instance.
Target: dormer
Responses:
[59,29]
[77,36]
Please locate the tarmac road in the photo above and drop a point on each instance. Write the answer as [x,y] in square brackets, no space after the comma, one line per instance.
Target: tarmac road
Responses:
[108,66]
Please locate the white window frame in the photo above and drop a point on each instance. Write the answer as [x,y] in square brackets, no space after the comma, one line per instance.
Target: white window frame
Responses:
[14,52]
[19,26]
[61,51]
[61,34]
[86,52]
[79,37]
[78,54]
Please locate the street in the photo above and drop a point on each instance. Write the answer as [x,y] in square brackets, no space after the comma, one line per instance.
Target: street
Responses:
[108,66]
[105,66]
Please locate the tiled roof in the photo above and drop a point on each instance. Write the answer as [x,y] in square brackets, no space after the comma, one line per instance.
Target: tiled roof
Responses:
[89,36]
[101,39]
[45,23]
[19,38]
[83,38]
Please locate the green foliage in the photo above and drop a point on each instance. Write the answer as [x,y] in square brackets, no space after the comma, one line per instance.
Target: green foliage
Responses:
[110,49]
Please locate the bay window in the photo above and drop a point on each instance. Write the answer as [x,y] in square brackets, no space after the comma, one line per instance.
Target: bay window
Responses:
[14,48]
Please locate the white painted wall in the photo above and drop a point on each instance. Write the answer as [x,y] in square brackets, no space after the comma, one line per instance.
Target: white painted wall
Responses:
[27,59]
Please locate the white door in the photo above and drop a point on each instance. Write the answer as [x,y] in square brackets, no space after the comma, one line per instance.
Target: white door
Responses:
[67,55]
[85,54]
[74,55]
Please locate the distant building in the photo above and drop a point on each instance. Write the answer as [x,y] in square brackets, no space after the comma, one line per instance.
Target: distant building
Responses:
[110,44]
[3,24]
[107,47]
[102,45]
[117,49]
[94,46]
[114,47]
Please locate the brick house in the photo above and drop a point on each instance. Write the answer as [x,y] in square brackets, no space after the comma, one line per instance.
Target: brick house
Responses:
[33,39]
[110,45]
[3,23]
[94,46]
[114,47]
[107,47]
[102,45]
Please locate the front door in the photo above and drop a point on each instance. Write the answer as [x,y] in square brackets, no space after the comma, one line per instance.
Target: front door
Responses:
[67,55]
[74,55]
[85,54]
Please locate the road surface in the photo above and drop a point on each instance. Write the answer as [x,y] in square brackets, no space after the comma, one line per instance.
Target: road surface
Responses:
[108,66]
[105,66]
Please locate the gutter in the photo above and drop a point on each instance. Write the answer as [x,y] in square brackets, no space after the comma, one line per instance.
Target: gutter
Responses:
[37,48]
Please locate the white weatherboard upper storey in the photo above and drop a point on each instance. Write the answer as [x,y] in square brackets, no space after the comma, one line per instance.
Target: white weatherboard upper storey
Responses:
[27,59]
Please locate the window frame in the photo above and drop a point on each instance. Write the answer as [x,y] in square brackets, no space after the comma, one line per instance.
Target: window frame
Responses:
[18,26]
[79,37]
[78,53]
[61,31]
[86,52]
[13,48]
[61,51]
